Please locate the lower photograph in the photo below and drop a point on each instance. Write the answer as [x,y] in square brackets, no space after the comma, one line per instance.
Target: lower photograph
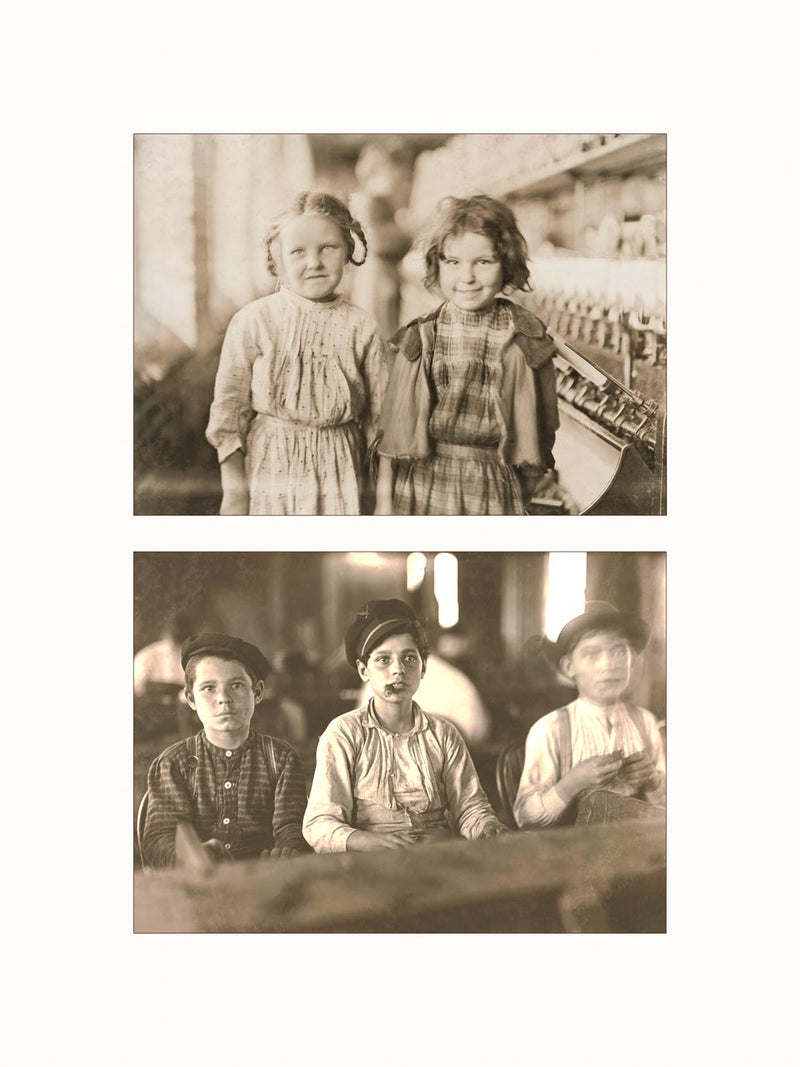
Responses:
[388,742]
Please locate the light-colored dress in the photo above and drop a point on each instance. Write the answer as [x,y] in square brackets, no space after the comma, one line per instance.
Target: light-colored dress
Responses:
[298,390]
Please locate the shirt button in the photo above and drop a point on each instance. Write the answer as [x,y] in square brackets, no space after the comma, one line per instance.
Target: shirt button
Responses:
[228,753]
[227,846]
[225,822]
[228,785]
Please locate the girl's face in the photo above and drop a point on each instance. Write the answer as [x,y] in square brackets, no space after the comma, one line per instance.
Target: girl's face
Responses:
[393,669]
[312,256]
[470,271]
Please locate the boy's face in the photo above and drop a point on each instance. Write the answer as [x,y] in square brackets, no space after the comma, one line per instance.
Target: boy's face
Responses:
[600,666]
[393,669]
[470,271]
[224,697]
[312,256]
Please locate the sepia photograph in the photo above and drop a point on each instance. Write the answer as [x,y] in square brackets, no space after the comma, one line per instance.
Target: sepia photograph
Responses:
[400,324]
[388,742]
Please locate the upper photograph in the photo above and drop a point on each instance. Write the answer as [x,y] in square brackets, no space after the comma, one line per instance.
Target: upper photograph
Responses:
[400,324]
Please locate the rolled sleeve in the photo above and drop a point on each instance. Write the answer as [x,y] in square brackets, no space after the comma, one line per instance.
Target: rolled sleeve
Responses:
[465,796]
[538,802]
[328,819]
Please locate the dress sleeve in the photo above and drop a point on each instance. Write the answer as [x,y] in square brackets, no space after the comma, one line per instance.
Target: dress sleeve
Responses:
[328,820]
[406,412]
[537,802]
[169,803]
[547,406]
[466,799]
[375,370]
[290,801]
[231,409]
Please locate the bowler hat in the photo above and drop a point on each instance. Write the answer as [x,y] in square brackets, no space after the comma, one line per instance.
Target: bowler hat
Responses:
[597,615]
[373,621]
[209,644]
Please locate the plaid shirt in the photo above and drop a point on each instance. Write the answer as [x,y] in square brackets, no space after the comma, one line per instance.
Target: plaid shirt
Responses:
[251,798]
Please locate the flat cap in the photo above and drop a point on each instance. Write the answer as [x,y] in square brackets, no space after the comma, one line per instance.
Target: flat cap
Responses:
[210,644]
[597,615]
[374,621]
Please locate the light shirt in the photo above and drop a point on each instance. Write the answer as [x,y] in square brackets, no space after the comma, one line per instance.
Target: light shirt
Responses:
[594,731]
[353,786]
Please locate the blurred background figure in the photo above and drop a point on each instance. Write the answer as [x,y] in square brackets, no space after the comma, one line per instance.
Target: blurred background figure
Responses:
[279,714]
[158,678]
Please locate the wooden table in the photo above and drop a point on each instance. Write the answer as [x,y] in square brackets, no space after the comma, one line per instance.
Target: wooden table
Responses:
[593,878]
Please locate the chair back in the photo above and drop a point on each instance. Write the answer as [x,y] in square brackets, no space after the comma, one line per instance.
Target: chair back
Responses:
[508,772]
[141,815]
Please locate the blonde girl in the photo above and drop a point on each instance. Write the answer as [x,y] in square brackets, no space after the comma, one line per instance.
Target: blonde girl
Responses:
[301,375]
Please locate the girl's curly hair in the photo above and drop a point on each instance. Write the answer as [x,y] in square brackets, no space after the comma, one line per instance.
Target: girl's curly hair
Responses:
[485,215]
[313,203]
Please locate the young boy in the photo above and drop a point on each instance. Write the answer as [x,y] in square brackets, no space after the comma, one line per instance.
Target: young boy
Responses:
[600,741]
[243,792]
[389,774]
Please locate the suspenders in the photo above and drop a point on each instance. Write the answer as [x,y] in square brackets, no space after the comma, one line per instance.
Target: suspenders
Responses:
[565,735]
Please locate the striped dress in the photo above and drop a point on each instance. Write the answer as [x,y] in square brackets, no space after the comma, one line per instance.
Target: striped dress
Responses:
[298,390]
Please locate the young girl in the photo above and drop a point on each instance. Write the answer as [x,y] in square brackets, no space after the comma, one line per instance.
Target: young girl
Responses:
[301,375]
[389,774]
[471,409]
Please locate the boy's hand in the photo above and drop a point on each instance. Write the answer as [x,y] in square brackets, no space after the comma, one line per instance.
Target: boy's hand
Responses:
[374,841]
[280,853]
[637,769]
[217,850]
[592,773]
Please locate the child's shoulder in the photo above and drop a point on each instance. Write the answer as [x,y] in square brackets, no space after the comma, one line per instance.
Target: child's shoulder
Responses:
[259,309]
[408,339]
[356,313]
[531,332]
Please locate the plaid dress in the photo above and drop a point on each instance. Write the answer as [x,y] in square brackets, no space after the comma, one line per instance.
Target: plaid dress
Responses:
[465,475]
[298,390]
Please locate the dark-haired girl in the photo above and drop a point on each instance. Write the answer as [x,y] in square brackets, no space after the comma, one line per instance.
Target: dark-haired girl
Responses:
[469,421]
[301,375]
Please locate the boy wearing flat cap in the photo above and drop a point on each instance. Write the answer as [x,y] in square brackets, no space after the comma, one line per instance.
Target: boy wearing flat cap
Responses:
[389,774]
[599,741]
[243,792]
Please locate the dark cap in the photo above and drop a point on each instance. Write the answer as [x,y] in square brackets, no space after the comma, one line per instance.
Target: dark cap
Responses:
[230,647]
[597,615]
[374,621]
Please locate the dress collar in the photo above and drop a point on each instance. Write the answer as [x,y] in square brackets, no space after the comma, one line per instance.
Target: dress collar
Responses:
[302,301]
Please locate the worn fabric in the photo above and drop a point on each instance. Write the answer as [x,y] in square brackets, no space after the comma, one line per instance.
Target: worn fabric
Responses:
[594,731]
[251,798]
[368,778]
[472,399]
[298,390]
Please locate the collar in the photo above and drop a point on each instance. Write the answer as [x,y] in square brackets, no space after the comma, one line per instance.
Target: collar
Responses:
[586,707]
[370,720]
[303,301]
[221,749]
